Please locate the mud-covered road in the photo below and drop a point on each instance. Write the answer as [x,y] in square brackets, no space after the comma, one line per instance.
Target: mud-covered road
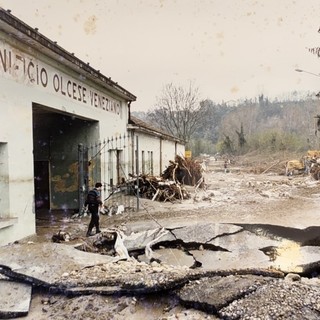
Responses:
[256,199]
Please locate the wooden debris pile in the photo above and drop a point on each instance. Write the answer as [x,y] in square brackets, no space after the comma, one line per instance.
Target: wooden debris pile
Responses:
[185,171]
[171,185]
[158,189]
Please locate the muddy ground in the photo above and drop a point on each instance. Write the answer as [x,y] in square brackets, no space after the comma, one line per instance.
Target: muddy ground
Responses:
[253,191]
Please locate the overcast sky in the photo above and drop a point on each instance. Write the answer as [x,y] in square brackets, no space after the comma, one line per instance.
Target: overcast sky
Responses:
[230,49]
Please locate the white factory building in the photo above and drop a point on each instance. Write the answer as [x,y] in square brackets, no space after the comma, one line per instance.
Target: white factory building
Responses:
[63,126]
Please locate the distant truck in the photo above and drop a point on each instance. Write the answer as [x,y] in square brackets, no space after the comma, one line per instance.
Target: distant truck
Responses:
[296,165]
[313,154]
[304,164]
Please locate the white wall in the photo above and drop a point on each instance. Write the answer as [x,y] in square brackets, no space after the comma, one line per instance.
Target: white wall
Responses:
[16,131]
[147,144]
[164,150]
[170,150]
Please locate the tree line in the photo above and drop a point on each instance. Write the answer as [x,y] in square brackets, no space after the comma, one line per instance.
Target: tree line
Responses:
[258,124]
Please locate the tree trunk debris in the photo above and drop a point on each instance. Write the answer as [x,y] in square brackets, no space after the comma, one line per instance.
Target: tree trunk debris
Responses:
[170,186]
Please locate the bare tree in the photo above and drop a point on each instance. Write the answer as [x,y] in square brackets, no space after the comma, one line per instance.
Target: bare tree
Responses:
[241,138]
[178,111]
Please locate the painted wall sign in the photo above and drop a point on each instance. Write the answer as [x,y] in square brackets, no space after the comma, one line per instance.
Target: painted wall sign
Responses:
[25,69]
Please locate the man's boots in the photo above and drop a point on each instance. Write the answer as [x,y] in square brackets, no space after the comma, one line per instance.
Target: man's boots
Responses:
[89,233]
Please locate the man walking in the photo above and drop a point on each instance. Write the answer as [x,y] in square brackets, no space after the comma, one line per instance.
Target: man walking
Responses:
[93,202]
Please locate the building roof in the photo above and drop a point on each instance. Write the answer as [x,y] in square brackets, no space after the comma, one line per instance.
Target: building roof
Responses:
[31,36]
[137,124]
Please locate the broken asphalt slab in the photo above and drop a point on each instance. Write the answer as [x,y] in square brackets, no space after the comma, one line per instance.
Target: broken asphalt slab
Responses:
[204,232]
[253,297]
[216,246]
[15,299]
[45,263]
[212,294]
[235,251]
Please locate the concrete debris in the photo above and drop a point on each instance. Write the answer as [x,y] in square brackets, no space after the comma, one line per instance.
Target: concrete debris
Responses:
[267,302]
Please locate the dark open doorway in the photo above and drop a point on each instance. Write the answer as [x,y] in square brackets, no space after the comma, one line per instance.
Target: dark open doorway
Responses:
[56,137]
[41,185]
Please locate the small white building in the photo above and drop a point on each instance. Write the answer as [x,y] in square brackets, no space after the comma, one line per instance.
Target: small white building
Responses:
[63,126]
[156,148]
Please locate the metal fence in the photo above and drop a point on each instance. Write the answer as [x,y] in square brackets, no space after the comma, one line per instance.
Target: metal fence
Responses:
[108,161]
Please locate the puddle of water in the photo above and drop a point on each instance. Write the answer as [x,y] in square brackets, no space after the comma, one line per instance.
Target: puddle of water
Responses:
[299,249]
[50,222]
[288,256]
[301,236]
